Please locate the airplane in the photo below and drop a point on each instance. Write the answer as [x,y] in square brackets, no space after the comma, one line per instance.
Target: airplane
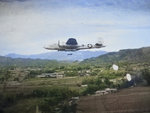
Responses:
[72,45]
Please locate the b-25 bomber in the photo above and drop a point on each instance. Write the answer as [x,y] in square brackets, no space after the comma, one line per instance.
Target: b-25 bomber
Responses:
[72,45]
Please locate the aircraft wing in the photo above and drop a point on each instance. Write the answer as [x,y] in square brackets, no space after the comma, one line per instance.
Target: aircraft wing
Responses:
[90,46]
[52,47]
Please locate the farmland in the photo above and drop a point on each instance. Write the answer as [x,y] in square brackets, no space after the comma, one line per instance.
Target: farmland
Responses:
[131,100]
[22,92]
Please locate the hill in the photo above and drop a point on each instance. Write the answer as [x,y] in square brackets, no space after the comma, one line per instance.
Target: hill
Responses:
[78,55]
[130,55]
[20,62]
[50,59]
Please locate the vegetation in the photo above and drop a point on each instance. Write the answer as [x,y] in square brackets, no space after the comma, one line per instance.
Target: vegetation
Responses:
[16,79]
[56,98]
[71,73]
[94,84]
[6,62]
[51,99]
[128,55]
[146,75]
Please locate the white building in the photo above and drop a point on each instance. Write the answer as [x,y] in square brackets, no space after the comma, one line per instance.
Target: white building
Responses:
[51,75]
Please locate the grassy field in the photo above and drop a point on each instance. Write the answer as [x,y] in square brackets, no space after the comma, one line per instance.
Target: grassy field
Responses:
[29,85]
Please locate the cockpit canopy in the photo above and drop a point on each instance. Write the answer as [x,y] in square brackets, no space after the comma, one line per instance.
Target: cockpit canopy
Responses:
[71,41]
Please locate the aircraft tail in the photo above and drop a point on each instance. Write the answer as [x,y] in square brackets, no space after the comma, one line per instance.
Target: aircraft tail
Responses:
[58,43]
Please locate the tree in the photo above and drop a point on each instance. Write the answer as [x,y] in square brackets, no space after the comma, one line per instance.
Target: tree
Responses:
[107,82]
[93,73]
[7,75]
[2,79]
[16,79]
[146,75]
[71,73]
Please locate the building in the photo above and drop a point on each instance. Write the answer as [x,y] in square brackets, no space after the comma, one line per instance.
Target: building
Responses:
[51,75]
[106,91]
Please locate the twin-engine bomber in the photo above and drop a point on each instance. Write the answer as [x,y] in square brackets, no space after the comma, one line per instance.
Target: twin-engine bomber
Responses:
[72,45]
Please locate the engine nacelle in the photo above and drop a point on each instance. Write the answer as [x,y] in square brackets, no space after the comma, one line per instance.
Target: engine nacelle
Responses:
[90,45]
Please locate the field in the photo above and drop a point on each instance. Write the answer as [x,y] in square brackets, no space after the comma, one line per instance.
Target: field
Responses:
[130,100]
[28,105]
[36,83]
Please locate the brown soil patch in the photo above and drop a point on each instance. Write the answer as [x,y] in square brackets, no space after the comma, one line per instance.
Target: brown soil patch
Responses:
[131,100]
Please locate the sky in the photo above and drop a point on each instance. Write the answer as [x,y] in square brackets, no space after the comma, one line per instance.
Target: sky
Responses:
[28,25]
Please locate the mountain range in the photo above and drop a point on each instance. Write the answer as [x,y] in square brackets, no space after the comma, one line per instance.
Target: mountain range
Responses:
[129,55]
[69,56]
[50,59]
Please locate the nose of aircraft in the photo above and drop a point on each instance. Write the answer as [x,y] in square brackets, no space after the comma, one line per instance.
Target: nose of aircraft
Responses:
[45,47]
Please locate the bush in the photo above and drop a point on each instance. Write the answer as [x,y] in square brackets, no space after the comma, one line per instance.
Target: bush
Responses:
[107,82]
[71,73]
[95,84]
[146,75]
[16,79]
[53,99]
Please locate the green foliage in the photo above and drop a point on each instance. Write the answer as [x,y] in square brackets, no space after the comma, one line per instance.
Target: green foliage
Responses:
[110,74]
[6,100]
[16,79]
[146,75]
[53,98]
[88,81]
[12,63]
[128,55]
[94,84]
[92,88]
[71,73]
[79,68]
[2,79]
[108,66]
[34,73]
[7,75]
[93,73]
[62,67]
[107,82]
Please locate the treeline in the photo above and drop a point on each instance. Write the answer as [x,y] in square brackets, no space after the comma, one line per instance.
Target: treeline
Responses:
[96,83]
[54,100]
[6,62]
[129,55]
